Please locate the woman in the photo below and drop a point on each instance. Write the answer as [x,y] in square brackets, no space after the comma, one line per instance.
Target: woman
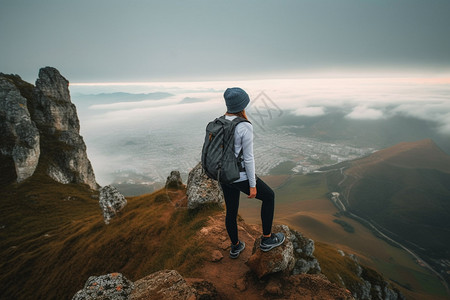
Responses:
[236,99]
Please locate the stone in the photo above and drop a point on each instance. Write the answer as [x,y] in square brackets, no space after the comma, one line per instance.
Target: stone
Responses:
[273,287]
[174,180]
[225,245]
[279,259]
[112,286]
[304,247]
[216,256]
[204,290]
[201,189]
[164,284]
[303,266]
[241,284]
[19,136]
[111,202]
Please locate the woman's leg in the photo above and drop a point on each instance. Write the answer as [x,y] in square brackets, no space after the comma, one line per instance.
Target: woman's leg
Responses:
[267,196]
[231,195]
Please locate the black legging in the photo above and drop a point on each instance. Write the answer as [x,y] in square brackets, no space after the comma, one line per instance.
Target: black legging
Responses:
[264,193]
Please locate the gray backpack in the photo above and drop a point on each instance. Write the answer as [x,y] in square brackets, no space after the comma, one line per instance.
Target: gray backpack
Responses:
[218,158]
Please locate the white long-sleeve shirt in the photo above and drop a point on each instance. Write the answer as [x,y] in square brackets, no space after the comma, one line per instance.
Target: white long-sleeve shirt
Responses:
[243,139]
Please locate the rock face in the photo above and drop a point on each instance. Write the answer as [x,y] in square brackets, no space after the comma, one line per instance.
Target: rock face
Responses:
[111,202]
[165,284]
[112,286]
[174,180]
[294,255]
[56,117]
[19,135]
[201,189]
[40,125]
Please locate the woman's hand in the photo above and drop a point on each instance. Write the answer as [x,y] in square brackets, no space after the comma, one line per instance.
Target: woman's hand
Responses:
[252,192]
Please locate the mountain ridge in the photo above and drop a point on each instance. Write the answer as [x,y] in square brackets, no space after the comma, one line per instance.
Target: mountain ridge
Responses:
[408,154]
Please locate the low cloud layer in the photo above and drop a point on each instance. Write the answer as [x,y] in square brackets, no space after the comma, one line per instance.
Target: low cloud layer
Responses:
[362,112]
[363,99]
[310,111]
[179,125]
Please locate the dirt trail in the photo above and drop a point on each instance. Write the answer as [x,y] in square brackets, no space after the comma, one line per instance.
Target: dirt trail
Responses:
[234,280]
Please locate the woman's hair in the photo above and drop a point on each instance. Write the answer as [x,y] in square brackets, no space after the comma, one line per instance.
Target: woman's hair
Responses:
[240,114]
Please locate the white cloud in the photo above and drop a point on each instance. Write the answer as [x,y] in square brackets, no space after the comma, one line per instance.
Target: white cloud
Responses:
[311,111]
[365,113]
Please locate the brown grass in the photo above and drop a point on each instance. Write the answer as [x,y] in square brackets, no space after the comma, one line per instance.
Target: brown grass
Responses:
[335,267]
[52,243]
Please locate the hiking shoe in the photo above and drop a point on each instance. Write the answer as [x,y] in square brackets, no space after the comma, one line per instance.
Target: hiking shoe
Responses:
[236,249]
[274,240]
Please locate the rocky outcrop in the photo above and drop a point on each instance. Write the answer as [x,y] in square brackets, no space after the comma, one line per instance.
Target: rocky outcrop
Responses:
[305,263]
[174,180]
[111,202]
[18,133]
[371,285]
[201,189]
[40,125]
[56,117]
[294,256]
[165,284]
[112,286]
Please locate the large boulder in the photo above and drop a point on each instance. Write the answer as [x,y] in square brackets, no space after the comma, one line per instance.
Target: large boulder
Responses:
[112,286]
[164,284]
[201,189]
[111,202]
[294,256]
[276,260]
[19,137]
[174,180]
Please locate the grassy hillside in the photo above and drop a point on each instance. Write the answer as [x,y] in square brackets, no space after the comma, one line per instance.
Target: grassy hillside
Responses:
[53,238]
[406,190]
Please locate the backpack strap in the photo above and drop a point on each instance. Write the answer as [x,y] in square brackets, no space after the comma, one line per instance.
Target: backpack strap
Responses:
[235,122]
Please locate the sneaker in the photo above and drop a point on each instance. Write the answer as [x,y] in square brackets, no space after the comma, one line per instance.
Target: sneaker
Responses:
[236,249]
[274,240]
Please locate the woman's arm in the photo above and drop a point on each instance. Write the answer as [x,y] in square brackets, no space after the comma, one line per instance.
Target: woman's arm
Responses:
[247,149]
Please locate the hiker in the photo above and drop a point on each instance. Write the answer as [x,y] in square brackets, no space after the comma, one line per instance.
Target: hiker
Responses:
[236,100]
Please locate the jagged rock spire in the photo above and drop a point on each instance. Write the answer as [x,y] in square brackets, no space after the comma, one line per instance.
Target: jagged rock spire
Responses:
[40,125]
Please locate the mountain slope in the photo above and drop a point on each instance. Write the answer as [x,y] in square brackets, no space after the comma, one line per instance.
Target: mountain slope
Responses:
[54,238]
[405,190]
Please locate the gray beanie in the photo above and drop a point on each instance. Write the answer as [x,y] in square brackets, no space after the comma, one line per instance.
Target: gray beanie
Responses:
[236,99]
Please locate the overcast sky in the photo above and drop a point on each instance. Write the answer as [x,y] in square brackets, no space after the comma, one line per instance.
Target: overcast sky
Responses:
[137,40]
